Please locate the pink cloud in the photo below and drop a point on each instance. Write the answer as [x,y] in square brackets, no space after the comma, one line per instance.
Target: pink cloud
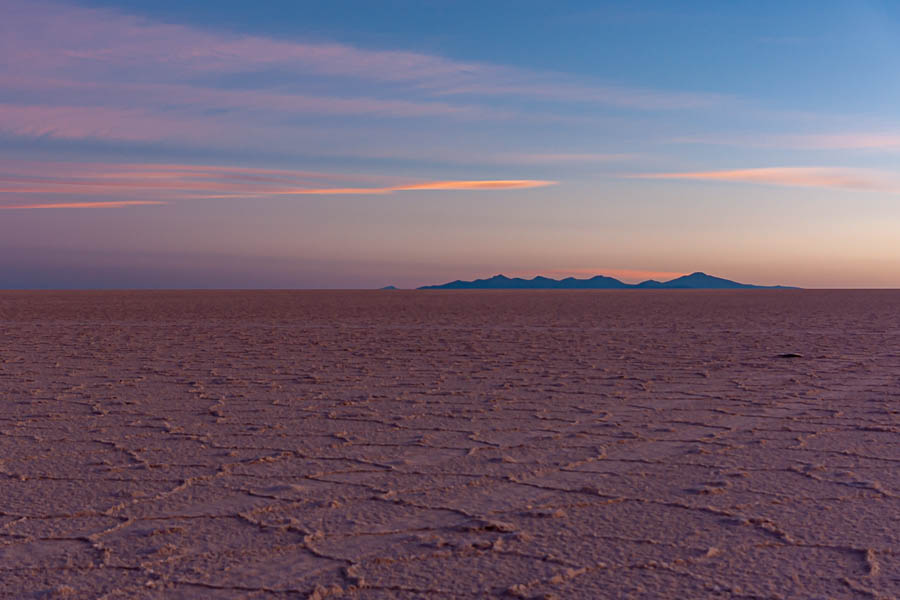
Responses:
[18,168]
[132,184]
[120,204]
[184,126]
[502,184]
[818,177]
[51,36]
[79,122]
[483,185]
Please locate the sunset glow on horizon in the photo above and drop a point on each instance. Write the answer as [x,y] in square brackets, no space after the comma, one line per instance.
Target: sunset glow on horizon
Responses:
[342,145]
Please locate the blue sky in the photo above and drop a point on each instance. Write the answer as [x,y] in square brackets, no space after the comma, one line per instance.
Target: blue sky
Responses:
[356,144]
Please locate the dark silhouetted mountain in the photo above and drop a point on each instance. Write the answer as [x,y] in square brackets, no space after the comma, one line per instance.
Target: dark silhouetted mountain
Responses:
[702,281]
[694,281]
[650,284]
[389,287]
[502,282]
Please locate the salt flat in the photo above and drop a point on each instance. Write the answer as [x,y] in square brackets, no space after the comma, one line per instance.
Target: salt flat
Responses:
[450,444]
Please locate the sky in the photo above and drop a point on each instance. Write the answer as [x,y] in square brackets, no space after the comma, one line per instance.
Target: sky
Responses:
[357,144]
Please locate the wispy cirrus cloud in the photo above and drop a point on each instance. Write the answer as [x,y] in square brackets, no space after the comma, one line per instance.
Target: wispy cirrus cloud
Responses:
[553,158]
[105,123]
[815,177]
[431,186]
[615,96]
[182,124]
[52,36]
[491,184]
[111,204]
[120,185]
[78,72]
[46,38]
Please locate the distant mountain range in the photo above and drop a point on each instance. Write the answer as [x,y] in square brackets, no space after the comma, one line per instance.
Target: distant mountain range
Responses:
[694,281]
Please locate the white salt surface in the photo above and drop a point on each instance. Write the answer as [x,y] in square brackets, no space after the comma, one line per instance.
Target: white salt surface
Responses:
[450,445]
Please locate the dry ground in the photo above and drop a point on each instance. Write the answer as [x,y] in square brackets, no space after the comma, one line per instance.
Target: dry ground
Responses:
[450,444]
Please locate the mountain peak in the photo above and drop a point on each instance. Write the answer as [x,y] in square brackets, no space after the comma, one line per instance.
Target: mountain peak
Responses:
[697,280]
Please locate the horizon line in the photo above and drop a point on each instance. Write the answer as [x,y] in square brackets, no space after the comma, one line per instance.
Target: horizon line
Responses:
[420,289]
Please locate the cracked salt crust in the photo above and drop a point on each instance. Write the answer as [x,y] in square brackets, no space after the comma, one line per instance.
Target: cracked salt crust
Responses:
[450,445]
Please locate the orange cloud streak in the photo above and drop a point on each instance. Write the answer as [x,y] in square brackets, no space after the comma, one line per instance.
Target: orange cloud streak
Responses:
[132,184]
[499,184]
[325,192]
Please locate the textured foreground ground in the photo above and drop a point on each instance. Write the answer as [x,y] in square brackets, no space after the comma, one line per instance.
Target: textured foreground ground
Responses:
[450,445]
